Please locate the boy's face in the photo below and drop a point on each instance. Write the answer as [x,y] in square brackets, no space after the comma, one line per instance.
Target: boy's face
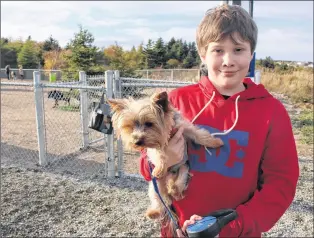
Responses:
[228,62]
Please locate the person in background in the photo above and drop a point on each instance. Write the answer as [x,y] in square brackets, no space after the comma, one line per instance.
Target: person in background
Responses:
[21,73]
[7,71]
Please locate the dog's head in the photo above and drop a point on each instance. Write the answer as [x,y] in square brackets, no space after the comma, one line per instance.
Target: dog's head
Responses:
[143,123]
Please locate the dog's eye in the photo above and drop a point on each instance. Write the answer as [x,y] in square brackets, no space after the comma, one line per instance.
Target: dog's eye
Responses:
[148,124]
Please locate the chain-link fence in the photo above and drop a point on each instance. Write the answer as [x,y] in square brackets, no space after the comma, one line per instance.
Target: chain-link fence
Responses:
[183,75]
[52,130]
[18,124]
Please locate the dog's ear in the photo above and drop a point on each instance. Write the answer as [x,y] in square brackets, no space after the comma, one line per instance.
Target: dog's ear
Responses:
[161,99]
[116,105]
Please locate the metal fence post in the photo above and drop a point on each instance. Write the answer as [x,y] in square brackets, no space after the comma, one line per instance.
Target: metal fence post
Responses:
[110,145]
[39,106]
[118,94]
[84,110]
[257,77]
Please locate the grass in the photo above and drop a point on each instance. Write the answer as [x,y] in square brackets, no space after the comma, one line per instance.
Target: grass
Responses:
[297,84]
[306,124]
[69,108]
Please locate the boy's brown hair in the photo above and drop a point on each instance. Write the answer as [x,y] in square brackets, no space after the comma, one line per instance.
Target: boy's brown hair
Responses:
[223,21]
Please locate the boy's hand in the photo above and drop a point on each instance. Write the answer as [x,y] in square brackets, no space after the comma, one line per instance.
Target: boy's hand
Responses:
[180,233]
[175,148]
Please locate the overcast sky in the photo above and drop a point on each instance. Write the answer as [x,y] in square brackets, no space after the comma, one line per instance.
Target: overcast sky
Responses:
[285,27]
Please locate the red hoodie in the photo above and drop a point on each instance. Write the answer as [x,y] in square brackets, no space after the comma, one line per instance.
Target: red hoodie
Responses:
[255,172]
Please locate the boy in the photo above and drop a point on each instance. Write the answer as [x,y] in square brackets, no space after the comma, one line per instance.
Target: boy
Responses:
[255,172]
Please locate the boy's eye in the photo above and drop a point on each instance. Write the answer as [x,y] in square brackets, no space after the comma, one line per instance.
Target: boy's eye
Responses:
[238,50]
[217,51]
[148,124]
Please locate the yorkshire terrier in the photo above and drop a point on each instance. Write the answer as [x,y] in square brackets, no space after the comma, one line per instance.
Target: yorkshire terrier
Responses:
[148,124]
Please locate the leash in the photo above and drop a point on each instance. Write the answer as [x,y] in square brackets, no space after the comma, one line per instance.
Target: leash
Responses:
[157,191]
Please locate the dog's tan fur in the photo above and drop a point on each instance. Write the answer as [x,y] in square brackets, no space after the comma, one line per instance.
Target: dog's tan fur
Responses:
[147,124]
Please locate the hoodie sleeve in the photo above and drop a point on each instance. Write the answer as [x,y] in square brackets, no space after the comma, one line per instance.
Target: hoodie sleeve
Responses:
[280,175]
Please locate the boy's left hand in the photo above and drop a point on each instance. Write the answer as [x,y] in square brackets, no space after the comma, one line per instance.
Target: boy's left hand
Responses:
[192,220]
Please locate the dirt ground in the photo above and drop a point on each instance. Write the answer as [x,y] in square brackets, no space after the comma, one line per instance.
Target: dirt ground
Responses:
[72,196]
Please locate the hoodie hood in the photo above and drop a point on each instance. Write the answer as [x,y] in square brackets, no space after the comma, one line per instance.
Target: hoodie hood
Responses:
[253,90]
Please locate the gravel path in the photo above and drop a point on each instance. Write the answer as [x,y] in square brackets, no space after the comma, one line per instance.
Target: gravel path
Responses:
[44,202]
[37,203]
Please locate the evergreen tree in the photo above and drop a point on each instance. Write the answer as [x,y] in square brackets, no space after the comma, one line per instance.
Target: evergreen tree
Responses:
[179,50]
[27,57]
[149,55]
[185,50]
[189,61]
[171,50]
[51,44]
[159,53]
[83,53]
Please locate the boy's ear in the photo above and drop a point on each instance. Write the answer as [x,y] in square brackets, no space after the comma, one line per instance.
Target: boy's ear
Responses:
[161,99]
[116,105]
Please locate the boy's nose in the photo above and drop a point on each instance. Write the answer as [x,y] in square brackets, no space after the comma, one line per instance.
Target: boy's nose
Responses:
[228,60]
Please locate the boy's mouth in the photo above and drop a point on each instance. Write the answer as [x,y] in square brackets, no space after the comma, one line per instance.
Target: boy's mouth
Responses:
[228,73]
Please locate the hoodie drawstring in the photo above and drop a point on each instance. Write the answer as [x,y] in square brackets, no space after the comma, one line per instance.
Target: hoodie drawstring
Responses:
[235,121]
[210,100]
[219,133]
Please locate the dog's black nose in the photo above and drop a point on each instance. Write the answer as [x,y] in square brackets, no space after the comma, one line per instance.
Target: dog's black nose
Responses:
[139,142]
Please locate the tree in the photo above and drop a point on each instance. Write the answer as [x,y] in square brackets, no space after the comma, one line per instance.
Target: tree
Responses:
[159,53]
[149,55]
[54,59]
[173,63]
[185,50]
[189,61]
[83,53]
[51,44]
[268,62]
[9,51]
[121,60]
[28,56]
[171,49]
[179,50]
[140,57]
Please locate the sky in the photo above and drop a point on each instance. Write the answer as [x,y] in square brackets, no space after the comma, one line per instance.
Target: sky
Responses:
[285,27]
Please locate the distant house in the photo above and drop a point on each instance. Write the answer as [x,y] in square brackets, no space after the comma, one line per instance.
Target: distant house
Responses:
[310,65]
[301,63]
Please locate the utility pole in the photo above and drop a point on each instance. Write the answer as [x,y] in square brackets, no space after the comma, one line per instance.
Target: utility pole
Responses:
[238,2]
[251,8]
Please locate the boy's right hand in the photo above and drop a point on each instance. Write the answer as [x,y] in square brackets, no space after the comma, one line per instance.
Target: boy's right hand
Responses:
[175,149]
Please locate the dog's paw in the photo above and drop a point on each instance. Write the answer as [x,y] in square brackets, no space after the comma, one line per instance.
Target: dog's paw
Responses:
[214,142]
[159,172]
[153,214]
[175,192]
